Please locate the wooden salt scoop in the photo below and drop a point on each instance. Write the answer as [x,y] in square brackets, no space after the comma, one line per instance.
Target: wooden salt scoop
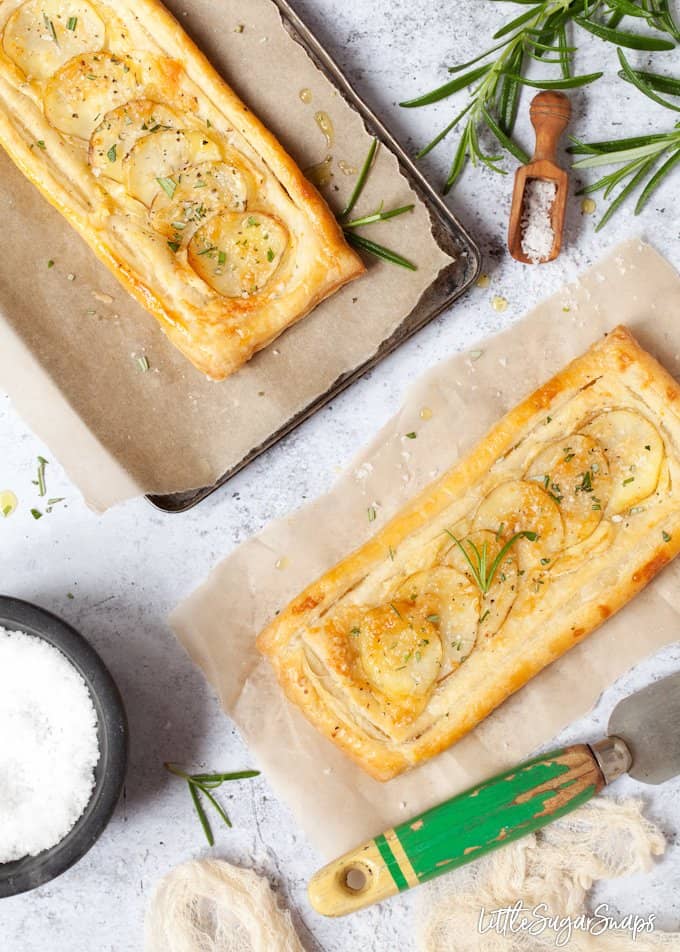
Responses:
[550,114]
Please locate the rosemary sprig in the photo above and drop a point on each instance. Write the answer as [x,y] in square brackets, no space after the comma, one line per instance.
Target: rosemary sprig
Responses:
[495,77]
[201,784]
[348,227]
[639,158]
[482,572]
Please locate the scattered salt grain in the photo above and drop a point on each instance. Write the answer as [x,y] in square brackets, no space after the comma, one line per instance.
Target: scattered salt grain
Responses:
[538,236]
[49,747]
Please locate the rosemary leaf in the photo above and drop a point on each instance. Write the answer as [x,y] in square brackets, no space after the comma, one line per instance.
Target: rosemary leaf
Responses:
[198,806]
[378,251]
[656,180]
[633,41]
[361,180]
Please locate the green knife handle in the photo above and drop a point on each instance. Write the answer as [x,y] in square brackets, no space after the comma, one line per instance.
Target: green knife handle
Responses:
[464,828]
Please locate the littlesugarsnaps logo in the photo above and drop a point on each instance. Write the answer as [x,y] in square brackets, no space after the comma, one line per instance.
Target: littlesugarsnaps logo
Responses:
[538,921]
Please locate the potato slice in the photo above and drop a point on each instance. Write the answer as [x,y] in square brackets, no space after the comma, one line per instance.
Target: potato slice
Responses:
[42,35]
[499,599]
[521,506]
[154,161]
[238,253]
[635,452]
[202,191]
[118,131]
[400,650]
[446,598]
[575,558]
[575,472]
[86,88]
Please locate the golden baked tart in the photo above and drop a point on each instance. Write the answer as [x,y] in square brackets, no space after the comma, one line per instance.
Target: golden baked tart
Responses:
[124,126]
[559,516]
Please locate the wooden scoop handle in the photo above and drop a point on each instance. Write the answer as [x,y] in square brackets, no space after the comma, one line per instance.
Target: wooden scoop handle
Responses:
[550,114]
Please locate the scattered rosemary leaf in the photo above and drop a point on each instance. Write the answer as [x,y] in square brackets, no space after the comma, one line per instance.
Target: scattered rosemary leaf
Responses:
[666,537]
[143,363]
[168,185]
[627,482]
[40,482]
[72,24]
[41,144]
[50,263]
[412,435]
[174,246]
[111,154]
[201,784]
[372,514]
[36,513]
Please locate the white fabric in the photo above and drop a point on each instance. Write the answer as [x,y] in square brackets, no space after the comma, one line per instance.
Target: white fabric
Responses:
[557,866]
[212,906]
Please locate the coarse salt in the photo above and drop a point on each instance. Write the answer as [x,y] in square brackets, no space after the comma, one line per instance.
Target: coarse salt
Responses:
[48,746]
[538,236]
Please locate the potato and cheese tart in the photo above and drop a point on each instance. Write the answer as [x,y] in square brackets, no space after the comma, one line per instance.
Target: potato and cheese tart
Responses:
[566,509]
[123,125]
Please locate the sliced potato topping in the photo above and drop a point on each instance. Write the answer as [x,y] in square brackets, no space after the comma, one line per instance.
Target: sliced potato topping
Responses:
[447,599]
[635,452]
[499,599]
[574,558]
[86,88]
[521,506]
[575,472]
[42,35]
[238,253]
[400,650]
[202,191]
[118,131]
[154,161]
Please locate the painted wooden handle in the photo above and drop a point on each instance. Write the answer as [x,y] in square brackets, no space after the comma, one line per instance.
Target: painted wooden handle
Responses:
[550,114]
[482,819]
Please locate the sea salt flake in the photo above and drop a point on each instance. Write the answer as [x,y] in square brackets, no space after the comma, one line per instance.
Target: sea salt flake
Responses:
[49,747]
[538,235]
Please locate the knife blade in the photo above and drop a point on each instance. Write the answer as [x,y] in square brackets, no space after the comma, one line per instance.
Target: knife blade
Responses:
[643,740]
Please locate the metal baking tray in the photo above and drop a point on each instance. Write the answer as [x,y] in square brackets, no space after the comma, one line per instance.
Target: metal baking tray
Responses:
[450,284]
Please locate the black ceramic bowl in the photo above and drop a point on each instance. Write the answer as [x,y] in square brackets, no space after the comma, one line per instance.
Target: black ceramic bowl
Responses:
[32,871]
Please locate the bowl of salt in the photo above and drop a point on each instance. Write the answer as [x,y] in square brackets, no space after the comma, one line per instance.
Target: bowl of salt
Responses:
[63,747]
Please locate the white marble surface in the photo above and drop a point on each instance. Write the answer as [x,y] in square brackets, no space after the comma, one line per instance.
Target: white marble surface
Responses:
[128,568]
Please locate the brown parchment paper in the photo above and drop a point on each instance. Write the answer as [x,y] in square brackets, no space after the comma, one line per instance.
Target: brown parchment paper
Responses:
[69,334]
[333,800]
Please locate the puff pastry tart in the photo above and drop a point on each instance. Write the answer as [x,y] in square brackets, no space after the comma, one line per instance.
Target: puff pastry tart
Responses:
[125,127]
[566,509]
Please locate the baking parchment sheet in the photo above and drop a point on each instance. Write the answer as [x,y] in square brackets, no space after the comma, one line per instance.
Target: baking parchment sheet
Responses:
[333,800]
[70,336]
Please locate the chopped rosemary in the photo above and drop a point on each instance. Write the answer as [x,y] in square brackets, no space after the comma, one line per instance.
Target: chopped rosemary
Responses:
[174,246]
[72,24]
[50,263]
[666,537]
[143,363]
[201,784]
[40,481]
[41,144]
[628,481]
[372,514]
[168,185]
[412,435]
[36,513]
[483,573]
[111,154]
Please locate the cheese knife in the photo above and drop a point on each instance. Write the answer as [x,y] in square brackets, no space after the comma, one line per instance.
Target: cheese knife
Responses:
[643,740]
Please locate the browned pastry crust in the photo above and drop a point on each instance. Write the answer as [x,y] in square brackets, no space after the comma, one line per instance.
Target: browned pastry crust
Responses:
[396,652]
[126,128]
